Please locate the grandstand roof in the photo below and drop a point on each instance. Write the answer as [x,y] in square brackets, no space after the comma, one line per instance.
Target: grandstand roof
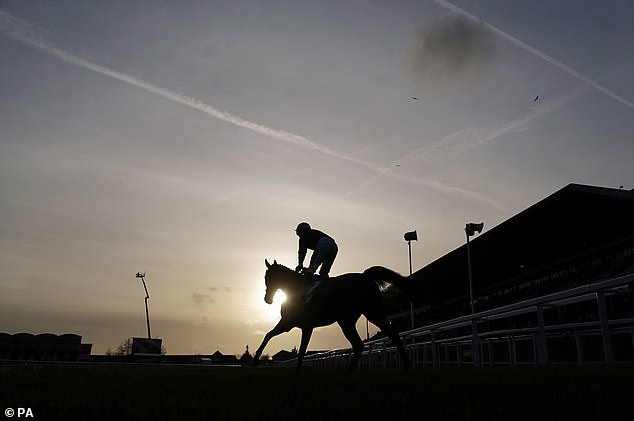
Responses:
[572,224]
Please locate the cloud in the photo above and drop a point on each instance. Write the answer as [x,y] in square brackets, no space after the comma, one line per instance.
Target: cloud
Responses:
[201,300]
[223,288]
[203,320]
[451,48]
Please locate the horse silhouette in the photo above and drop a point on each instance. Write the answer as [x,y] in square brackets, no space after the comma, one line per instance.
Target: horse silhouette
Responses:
[341,299]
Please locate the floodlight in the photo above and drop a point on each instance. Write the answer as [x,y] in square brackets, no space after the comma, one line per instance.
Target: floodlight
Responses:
[410,236]
[471,228]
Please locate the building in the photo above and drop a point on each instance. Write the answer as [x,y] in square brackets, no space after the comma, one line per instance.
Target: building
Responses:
[220,358]
[41,347]
[578,235]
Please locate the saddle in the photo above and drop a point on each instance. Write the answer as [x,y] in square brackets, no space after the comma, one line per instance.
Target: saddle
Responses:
[311,285]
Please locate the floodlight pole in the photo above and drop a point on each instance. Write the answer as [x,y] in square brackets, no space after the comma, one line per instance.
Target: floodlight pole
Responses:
[470,276]
[470,229]
[409,237]
[147,296]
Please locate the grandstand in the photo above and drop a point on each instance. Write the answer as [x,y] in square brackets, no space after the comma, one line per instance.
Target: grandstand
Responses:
[578,235]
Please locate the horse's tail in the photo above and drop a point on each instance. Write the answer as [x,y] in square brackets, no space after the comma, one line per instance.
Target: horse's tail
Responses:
[385,277]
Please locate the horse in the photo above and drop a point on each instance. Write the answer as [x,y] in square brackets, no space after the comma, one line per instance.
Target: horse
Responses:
[341,299]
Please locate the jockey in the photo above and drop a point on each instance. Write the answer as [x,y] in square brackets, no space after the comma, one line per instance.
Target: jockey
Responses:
[324,251]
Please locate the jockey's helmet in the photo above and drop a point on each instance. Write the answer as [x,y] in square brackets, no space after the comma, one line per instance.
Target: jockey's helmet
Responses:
[302,227]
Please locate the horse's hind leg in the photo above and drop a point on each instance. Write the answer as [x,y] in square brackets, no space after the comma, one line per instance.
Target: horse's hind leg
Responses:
[306,334]
[380,321]
[350,331]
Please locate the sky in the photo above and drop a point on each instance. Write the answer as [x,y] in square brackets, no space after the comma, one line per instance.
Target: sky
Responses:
[187,139]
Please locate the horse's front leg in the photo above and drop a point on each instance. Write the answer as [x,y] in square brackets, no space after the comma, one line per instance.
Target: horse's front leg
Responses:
[306,334]
[281,327]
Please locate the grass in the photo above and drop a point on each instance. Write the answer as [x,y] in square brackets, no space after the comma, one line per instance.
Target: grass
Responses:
[523,393]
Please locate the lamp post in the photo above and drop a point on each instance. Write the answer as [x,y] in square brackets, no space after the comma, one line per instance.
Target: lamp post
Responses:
[409,237]
[147,313]
[470,230]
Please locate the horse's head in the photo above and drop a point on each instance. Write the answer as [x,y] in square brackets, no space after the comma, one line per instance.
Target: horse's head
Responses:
[277,277]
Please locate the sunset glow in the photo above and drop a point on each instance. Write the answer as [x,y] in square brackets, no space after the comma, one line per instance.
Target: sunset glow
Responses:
[187,141]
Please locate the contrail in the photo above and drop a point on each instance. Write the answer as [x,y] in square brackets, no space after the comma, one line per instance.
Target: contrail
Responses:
[26,33]
[434,184]
[475,139]
[455,137]
[572,72]
[527,118]
[23,32]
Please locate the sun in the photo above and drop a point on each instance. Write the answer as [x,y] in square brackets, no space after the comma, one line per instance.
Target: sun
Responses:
[272,311]
[279,297]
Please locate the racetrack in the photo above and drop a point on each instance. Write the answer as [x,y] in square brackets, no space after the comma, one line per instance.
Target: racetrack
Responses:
[521,393]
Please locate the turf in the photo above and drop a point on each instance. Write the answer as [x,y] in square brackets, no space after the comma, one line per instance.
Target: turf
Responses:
[523,393]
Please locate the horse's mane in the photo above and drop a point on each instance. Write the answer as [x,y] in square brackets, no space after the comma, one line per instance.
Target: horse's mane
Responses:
[281,266]
[286,270]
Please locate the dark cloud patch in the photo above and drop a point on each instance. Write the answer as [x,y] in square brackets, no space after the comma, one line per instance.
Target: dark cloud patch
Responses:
[200,300]
[223,288]
[452,48]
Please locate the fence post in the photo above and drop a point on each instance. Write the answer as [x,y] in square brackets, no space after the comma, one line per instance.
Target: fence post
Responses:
[512,351]
[384,353]
[605,327]
[458,354]
[434,351]
[542,349]
[632,335]
[475,344]
[579,344]
[490,350]
[416,356]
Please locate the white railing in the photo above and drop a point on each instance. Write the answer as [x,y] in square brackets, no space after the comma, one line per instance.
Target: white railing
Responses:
[453,342]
